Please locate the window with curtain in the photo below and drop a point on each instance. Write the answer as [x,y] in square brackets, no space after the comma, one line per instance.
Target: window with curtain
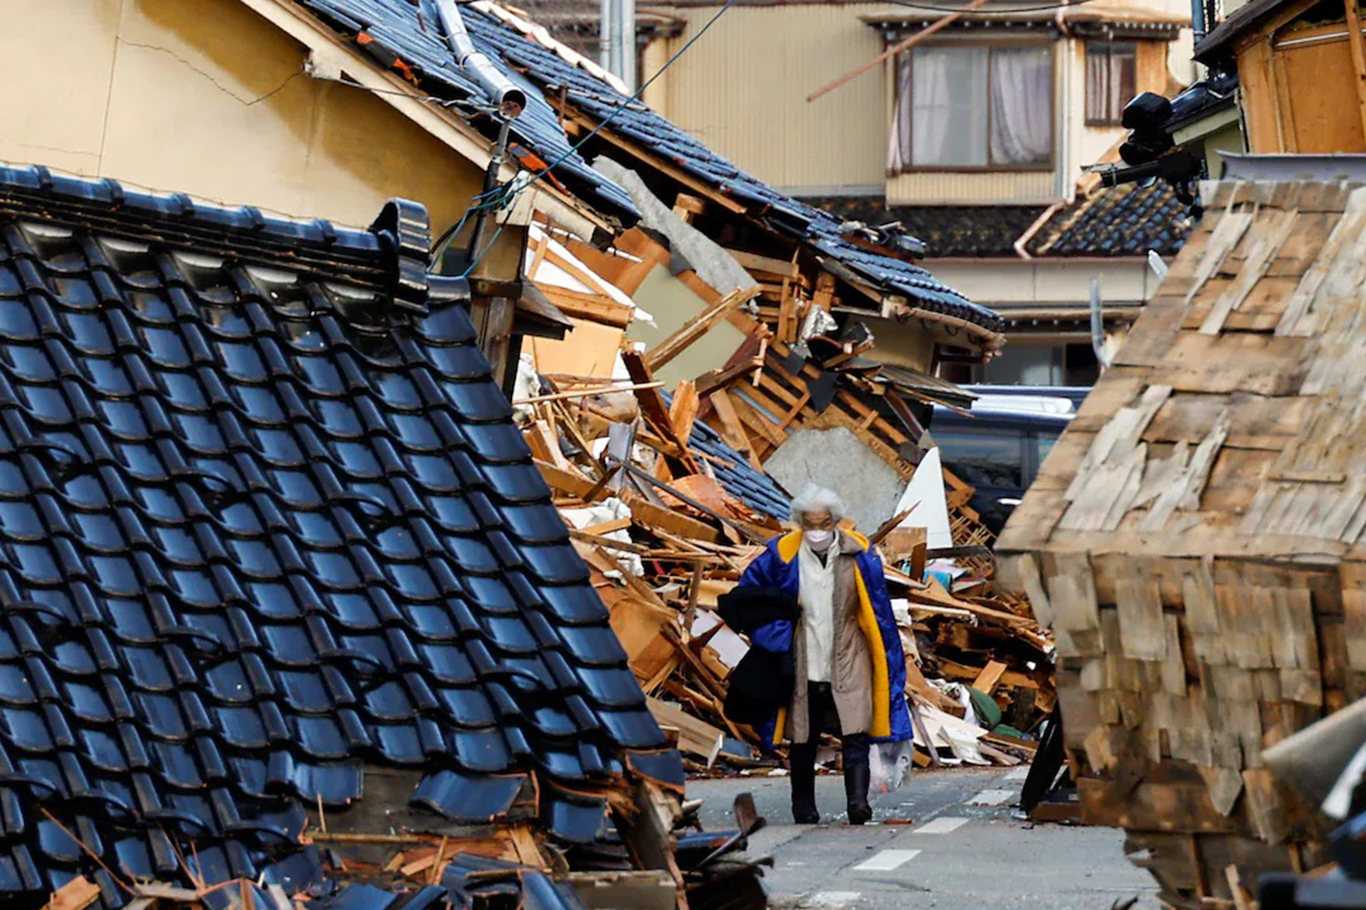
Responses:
[1111,74]
[973,106]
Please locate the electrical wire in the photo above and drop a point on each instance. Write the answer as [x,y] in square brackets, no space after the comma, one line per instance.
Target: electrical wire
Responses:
[991,13]
[505,194]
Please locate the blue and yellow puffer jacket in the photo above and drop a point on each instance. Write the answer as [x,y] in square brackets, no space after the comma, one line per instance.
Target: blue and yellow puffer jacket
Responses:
[777,567]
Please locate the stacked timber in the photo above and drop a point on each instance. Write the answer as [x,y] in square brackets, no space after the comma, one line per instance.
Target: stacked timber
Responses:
[1195,540]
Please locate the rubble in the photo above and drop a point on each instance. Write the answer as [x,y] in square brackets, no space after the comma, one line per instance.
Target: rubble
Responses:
[668,501]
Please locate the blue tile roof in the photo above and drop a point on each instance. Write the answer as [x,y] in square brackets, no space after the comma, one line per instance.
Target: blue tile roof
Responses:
[740,478]
[1126,220]
[407,27]
[736,475]
[265,522]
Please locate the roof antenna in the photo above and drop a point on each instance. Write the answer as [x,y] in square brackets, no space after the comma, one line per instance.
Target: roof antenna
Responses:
[498,88]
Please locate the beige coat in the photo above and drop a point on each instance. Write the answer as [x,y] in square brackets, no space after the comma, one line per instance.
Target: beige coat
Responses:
[851,671]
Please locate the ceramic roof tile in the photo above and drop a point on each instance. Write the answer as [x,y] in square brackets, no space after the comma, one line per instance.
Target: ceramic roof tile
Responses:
[405,28]
[264,522]
[946,230]
[1126,220]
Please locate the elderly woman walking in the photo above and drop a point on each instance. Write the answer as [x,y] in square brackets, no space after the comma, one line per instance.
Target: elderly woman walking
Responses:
[838,640]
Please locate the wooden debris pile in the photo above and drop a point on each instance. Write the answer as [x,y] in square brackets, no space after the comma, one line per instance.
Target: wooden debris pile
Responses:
[667,518]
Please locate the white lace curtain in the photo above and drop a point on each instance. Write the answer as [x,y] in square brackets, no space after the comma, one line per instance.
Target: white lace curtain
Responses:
[972,107]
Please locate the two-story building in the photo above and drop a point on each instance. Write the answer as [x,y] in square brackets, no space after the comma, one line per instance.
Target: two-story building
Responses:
[973,139]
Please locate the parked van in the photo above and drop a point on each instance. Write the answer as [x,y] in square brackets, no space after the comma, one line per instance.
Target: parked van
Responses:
[1000,447]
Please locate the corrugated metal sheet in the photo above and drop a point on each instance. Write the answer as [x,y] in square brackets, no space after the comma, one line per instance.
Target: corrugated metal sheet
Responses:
[742,90]
[940,188]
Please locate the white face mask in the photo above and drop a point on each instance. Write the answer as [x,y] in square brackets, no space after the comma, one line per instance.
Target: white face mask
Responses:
[818,540]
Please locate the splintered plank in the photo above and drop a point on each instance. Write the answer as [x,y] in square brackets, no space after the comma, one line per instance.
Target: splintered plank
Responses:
[1072,594]
[1138,597]
[650,515]
[666,350]
[568,482]
[1228,231]
[683,413]
[732,428]
[990,676]
[1349,236]
[1273,234]
[1254,421]
[76,894]
[1236,362]
[1183,489]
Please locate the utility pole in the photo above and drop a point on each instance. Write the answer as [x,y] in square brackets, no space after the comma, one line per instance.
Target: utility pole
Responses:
[617,39]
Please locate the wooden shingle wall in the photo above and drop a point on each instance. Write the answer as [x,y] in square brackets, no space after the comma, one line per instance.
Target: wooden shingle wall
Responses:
[1197,538]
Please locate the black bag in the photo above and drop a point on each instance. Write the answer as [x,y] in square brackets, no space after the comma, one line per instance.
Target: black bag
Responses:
[759,685]
[747,607]
[762,681]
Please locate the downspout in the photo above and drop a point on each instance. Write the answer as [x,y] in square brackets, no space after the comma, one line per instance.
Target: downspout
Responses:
[499,91]
[1034,228]
[1098,325]
[1064,91]
[1062,182]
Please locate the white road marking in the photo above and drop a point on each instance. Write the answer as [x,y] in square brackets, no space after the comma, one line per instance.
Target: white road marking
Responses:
[834,899]
[887,860]
[993,798]
[1019,772]
[945,824]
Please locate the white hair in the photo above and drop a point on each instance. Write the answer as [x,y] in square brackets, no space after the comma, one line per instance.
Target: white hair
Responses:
[815,498]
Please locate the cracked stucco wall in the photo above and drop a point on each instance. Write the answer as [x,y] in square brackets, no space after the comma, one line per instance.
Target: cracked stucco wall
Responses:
[206,97]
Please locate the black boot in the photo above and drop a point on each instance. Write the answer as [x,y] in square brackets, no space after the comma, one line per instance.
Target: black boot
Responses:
[802,759]
[856,778]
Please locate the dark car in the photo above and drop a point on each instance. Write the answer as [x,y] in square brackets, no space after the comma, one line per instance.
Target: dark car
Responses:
[999,448]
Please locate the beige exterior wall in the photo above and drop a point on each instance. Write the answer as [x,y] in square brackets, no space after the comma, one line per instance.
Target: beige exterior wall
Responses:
[1042,282]
[205,97]
[994,188]
[908,345]
[742,90]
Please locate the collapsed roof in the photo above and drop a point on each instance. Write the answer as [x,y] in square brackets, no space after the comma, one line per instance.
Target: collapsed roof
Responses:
[406,36]
[268,530]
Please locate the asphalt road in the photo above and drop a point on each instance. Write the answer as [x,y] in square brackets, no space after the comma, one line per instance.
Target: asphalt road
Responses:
[965,847]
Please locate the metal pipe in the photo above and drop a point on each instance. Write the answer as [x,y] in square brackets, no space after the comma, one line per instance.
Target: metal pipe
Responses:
[498,88]
[1097,324]
[1197,20]
[605,33]
[626,41]
[1028,235]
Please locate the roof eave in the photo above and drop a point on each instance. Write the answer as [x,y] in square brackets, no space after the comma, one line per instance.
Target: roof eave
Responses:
[328,53]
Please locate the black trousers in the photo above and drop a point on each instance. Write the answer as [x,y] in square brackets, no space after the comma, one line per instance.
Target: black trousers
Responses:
[824,718]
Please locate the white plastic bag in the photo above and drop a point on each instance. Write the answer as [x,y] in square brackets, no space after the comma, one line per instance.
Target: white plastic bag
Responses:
[889,765]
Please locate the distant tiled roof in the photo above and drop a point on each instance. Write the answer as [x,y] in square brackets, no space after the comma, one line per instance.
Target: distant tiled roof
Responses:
[1126,220]
[946,230]
[265,524]
[405,28]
